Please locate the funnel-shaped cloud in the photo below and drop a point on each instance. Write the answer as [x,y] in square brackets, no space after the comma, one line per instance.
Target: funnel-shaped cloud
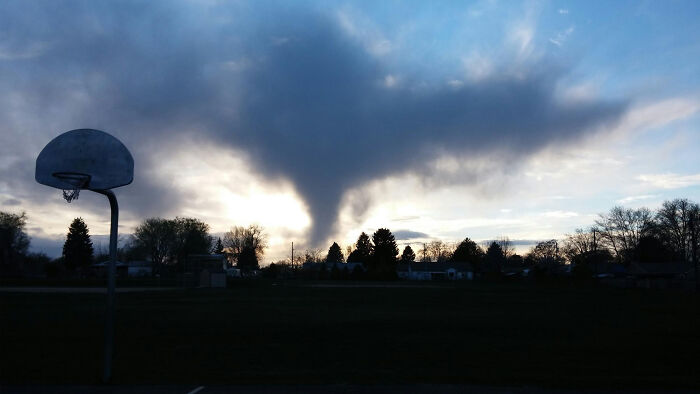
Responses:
[304,100]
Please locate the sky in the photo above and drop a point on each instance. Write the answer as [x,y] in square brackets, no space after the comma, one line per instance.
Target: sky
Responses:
[322,119]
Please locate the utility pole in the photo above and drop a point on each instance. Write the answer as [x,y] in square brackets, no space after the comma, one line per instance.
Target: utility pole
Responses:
[595,245]
[694,246]
[292,262]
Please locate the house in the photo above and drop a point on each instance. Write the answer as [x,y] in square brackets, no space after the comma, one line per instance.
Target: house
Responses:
[607,270]
[205,270]
[658,270]
[435,271]
[100,269]
[139,269]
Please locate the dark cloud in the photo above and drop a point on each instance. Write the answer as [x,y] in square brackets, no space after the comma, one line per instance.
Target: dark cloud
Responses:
[403,235]
[300,97]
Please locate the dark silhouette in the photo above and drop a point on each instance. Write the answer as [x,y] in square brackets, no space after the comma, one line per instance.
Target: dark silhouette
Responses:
[383,260]
[495,256]
[408,255]
[77,250]
[239,238]
[335,255]
[621,228]
[363,250]
[14,241]
[247,259]
[191,237]
[154,238]
[468,252]
[170,241]
[219,247]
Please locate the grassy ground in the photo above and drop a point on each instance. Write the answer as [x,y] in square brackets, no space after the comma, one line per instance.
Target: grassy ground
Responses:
[496,334]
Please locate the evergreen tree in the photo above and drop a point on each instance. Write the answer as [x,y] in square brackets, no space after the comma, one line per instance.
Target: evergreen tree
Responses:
[77,250]
[248,259]
[495,255]
[363,250]
[219,248]
[383,261]
[335,255]
[408,255]
[467,252]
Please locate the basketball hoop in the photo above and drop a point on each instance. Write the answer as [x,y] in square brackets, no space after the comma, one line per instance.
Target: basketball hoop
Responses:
[75,181]
[94,160]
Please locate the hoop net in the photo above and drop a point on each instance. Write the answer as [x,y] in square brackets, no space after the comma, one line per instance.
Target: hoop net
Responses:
[75,181]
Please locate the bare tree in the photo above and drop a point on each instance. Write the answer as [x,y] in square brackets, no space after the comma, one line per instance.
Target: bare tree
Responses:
[621,229]
[580,242]
[438,251]
[546,252]
[505,244]
[239,239]
[425,254]
[675,223]
[313,256]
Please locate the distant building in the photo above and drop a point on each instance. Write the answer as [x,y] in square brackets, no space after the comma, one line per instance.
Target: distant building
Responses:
[139,269]
[435,271]
[205,270]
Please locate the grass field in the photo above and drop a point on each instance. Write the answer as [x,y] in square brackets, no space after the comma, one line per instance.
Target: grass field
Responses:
[260,332]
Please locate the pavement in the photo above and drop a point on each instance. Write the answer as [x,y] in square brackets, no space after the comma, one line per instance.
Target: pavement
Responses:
[82,290]
[310,389]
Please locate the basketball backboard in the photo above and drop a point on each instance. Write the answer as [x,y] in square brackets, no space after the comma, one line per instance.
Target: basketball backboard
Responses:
[94,158]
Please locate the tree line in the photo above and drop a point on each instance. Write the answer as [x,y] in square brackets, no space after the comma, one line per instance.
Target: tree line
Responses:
[165,242]
[622,235]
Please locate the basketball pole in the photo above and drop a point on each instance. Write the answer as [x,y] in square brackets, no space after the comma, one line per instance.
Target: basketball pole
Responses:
[111,279]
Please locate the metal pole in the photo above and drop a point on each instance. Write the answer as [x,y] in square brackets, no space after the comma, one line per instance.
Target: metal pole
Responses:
[111,280]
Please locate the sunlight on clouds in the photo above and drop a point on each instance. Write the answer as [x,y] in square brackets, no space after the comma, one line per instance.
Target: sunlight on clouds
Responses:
[670,180]
[364,30]
[656,114]
[477,66]
[632,199]
[560,214]
[224,191]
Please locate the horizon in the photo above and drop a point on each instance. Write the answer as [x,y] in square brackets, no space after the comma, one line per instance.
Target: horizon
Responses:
[321,120]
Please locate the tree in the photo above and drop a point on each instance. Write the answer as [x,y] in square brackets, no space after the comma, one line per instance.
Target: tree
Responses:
[239,238]
[651,249]
[546,253]
[695,242]
[621,229]
[14,241]
[247,259]
[468,252]
[581,242]
[191,236]
[363,250]
[383,260]
[495,255]
[313,255]
[335,255]
[439,251]
[674,221]
[155,237]
[77,250]
[408,256]
[506,246]
[219,247]
[425,254]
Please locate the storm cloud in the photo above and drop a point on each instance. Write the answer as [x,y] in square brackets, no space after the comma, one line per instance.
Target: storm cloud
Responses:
[290,88]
